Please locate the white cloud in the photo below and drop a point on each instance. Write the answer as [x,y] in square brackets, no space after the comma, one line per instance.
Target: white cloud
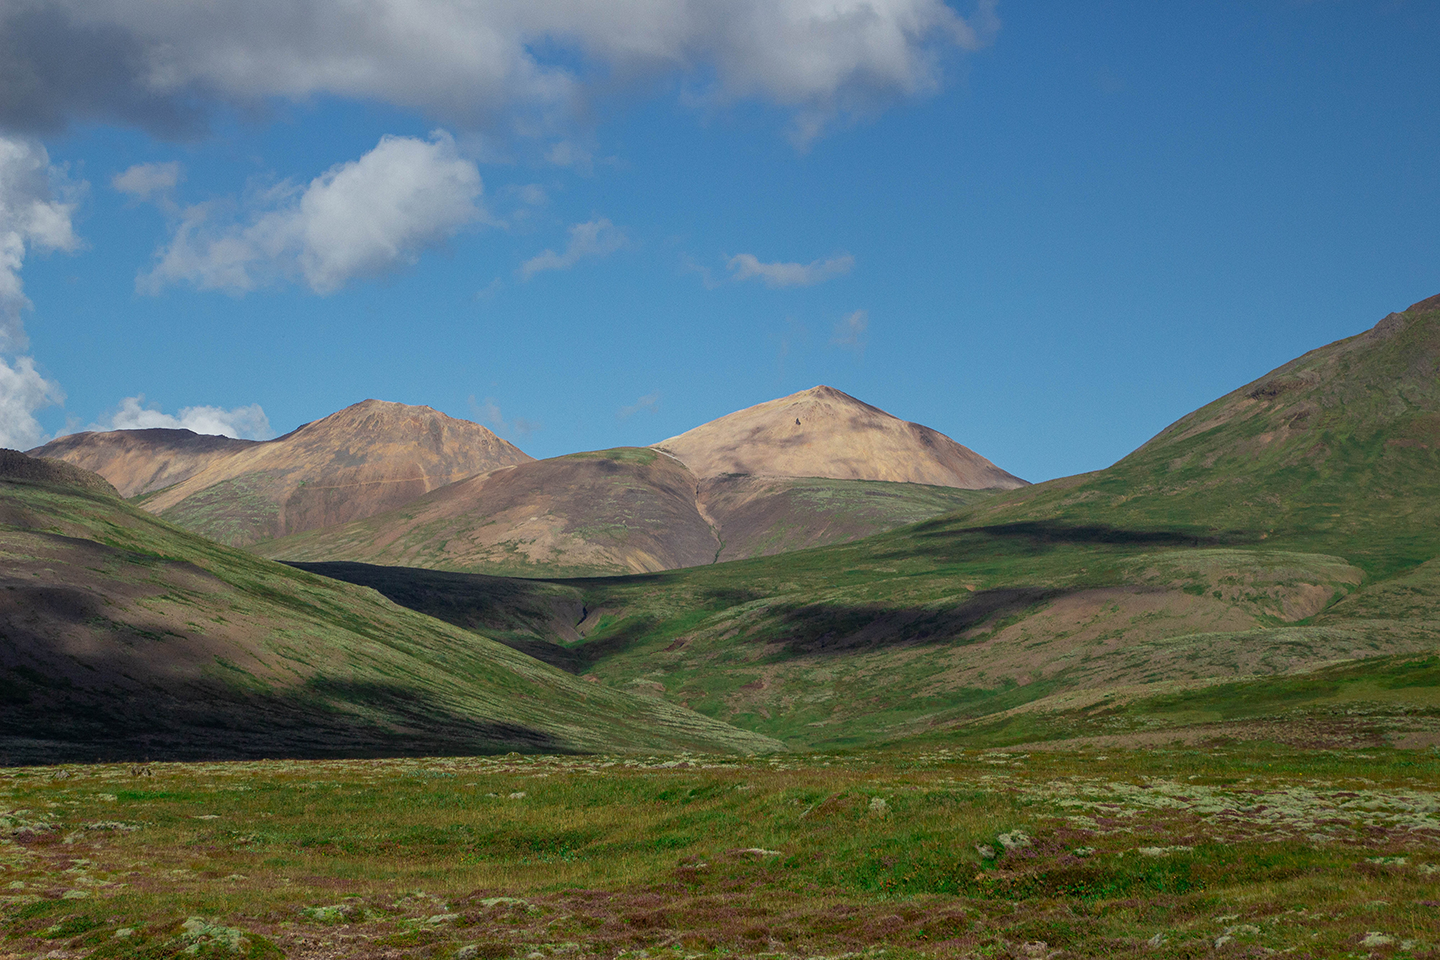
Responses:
[23,391]
[850,332]
[363,218]
[162,64]
[146,180]
[747,266]
[594,238]
[489,414]
[648,403]
[569,154]
[246,423]
[30,217]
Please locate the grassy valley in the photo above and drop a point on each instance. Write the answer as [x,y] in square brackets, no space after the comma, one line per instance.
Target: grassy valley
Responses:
[1287,527]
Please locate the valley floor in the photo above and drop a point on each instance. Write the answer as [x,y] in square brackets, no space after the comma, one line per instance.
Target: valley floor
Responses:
[1220,848]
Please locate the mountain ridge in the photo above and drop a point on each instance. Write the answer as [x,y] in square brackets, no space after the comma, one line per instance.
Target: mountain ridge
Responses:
[364,459]
[762,484]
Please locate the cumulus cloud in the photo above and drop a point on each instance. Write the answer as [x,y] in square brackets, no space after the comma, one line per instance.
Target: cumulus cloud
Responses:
[594,238]
[362,218]
[747,266]
[23,390]
[163,64]
[244,423]
[146,180]
[648,403]
[31,217]
[850,332]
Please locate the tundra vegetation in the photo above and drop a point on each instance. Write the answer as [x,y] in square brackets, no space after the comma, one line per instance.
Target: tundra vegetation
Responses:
[1226,849]
[1186,706]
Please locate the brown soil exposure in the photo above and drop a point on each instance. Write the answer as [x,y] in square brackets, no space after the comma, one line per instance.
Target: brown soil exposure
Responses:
[613,511]
[367,458]
[822,432]
[142,461]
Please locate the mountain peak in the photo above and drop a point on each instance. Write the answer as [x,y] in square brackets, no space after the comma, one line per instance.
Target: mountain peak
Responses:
[824,432]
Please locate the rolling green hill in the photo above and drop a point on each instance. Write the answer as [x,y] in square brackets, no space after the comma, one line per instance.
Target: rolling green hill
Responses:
[124,637]
[1264,564]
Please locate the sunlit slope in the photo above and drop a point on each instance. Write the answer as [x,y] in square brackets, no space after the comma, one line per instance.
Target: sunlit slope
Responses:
[1222,573]
[125,637]
[823,432]
[627,510]
[1338,451]
[138,462]
[890,636]
[368,458]
[610,511]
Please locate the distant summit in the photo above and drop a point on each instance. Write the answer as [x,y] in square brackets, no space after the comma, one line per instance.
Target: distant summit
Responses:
[797,472]
[370,457]
[822,432]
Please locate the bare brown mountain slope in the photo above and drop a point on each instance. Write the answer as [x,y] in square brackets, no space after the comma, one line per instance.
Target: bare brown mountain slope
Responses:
[142,461]
[629,510]
[368,458]
[822,432]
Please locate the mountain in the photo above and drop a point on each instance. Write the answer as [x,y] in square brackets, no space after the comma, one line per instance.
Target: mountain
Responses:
[1337,450]
[1268,567]
[142,461]
[124,637]
[363,460]
[745,485]
[628,510]
[610,511]
[822,432]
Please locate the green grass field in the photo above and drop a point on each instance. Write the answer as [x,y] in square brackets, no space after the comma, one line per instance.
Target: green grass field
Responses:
[1239,850]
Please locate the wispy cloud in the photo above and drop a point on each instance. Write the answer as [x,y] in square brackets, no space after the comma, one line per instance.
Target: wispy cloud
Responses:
[746,266]
[245,423]
[850,332]
[592,239]
[488,413]
[145,181]
[647,404]
[367,217]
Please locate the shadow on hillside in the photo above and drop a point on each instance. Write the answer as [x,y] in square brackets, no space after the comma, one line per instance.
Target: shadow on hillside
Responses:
[941,539]
[1055,532]
[828,628]
[58,723]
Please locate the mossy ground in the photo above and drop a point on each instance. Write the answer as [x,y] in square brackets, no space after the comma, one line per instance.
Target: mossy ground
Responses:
[1239,850]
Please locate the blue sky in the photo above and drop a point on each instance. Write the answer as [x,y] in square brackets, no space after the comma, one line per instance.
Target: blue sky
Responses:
[1045,229]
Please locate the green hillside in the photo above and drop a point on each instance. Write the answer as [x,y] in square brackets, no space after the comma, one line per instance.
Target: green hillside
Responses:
[124,637]
[1219,576]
